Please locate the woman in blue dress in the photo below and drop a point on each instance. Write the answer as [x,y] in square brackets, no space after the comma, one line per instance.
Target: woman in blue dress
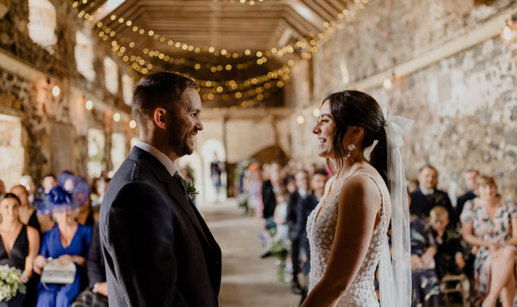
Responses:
[67,242]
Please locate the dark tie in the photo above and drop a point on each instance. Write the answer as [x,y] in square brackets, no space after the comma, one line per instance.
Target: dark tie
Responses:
[179,181]
[430,199]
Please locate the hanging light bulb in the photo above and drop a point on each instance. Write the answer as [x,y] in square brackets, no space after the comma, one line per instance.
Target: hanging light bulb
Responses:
[116,117]
[316,112]
[300,120]
[132,124]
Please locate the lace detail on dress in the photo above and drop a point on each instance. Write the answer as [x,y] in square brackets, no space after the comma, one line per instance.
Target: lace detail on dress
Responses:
[320,233]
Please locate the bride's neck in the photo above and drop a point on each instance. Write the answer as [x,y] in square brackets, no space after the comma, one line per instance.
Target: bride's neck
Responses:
[349,166]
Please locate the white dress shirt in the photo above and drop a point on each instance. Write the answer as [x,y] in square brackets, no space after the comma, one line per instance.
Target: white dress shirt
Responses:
[163,158]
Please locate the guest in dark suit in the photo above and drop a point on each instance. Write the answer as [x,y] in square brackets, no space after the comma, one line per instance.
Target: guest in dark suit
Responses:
[97,269]
[157,247]
[306,206]
[470,181]
[427,196]
[302,187]
[270,186]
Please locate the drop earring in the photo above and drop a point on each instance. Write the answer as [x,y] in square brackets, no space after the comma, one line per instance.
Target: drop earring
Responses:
[350,148]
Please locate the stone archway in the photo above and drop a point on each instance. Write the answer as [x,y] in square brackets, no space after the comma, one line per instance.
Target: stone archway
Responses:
[210,148]
[194,162]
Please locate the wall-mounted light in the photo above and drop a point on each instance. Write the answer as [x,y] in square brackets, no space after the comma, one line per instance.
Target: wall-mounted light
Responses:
[387,83]
[116,117]
[132,124]
[508,32]
[300,120]
[56,91]
[88,104]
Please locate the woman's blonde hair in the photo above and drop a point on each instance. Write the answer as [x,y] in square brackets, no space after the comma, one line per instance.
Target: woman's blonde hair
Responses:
[439,212]
[485,180]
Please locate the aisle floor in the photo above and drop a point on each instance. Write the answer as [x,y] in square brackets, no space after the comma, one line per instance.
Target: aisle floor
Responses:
[247,280]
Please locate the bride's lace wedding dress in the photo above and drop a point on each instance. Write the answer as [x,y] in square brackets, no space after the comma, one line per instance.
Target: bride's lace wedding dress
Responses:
[321,227]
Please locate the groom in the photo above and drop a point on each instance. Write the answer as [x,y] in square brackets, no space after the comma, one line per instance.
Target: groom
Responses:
[157,247]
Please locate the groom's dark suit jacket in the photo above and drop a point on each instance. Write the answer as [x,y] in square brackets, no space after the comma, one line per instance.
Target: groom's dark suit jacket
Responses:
[158,249]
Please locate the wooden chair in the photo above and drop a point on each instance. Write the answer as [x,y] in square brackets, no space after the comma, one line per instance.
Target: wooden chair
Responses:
[455,284]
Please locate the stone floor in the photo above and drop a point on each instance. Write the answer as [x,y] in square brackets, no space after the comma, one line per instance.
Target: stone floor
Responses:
[247,280]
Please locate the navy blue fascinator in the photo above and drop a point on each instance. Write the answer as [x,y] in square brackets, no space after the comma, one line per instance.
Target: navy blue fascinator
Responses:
[71,193]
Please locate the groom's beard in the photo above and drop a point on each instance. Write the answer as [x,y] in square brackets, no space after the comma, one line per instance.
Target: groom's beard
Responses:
[181,142]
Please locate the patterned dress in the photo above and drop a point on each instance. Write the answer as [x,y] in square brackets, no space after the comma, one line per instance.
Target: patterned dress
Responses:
[498,230]
[426,289]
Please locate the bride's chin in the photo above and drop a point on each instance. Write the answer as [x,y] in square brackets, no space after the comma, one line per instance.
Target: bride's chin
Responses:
[323,154]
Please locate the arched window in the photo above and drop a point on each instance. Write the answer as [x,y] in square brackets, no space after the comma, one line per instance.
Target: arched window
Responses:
[118,150]
[42,23]
[127,89]
[111,75]
[84,55]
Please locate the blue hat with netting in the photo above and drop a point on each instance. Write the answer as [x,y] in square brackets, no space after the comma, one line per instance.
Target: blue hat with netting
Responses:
[71,193]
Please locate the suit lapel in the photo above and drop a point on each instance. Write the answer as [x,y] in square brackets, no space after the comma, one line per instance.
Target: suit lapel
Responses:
[176,192]
[182,199]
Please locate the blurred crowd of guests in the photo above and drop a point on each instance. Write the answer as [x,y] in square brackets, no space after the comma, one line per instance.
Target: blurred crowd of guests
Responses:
[49,222]
[468,245]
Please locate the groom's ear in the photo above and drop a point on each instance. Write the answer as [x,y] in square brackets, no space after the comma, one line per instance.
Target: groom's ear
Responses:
[159,117]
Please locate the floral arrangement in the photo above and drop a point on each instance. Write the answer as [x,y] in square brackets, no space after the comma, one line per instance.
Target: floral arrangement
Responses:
[279,249]
[9,282]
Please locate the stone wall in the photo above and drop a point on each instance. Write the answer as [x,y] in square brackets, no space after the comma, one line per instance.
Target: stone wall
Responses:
[464,106]
[54,129]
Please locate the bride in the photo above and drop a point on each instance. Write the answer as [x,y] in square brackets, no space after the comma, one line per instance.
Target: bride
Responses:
[348,229]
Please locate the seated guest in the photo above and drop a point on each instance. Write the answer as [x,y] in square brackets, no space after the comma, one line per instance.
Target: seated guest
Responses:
[97,295]
[96,268]
[492,226]
[48,182]
[306,206]
[427,196]
[302,186]
[280,217]
[68,242]
[19,243]
[426,290]
[27,212]
[470,181]
[449,256]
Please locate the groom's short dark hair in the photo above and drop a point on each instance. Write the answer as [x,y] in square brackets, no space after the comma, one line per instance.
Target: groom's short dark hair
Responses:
[161,89]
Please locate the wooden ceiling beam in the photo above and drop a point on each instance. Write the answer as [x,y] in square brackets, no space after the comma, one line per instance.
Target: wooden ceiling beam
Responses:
[318,10]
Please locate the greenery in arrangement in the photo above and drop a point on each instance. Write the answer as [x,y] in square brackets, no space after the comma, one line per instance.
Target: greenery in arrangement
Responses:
[9,283]
[279,249]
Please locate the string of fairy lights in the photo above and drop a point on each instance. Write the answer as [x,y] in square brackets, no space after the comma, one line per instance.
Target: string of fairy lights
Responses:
[256,87]
[309,43]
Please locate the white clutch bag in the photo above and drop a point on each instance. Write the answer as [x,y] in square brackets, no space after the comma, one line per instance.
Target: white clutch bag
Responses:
[56,273]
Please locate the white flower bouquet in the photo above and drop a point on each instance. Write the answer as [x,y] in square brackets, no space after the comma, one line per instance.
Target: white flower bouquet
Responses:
[9,282]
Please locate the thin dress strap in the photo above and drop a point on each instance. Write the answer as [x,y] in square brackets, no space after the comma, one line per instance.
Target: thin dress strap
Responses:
[383,215]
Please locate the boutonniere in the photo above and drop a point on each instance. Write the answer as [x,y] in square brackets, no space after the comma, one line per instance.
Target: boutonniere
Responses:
[437,198]
[190,188]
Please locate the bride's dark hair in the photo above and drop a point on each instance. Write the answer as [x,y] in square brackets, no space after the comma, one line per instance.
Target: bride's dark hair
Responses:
[354,108]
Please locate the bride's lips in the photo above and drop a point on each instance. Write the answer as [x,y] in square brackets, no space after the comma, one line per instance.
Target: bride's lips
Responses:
[321,141]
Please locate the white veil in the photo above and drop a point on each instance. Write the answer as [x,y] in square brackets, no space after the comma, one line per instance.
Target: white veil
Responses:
[394,269]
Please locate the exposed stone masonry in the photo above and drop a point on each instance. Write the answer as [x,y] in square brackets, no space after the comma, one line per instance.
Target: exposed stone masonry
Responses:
[464,106]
